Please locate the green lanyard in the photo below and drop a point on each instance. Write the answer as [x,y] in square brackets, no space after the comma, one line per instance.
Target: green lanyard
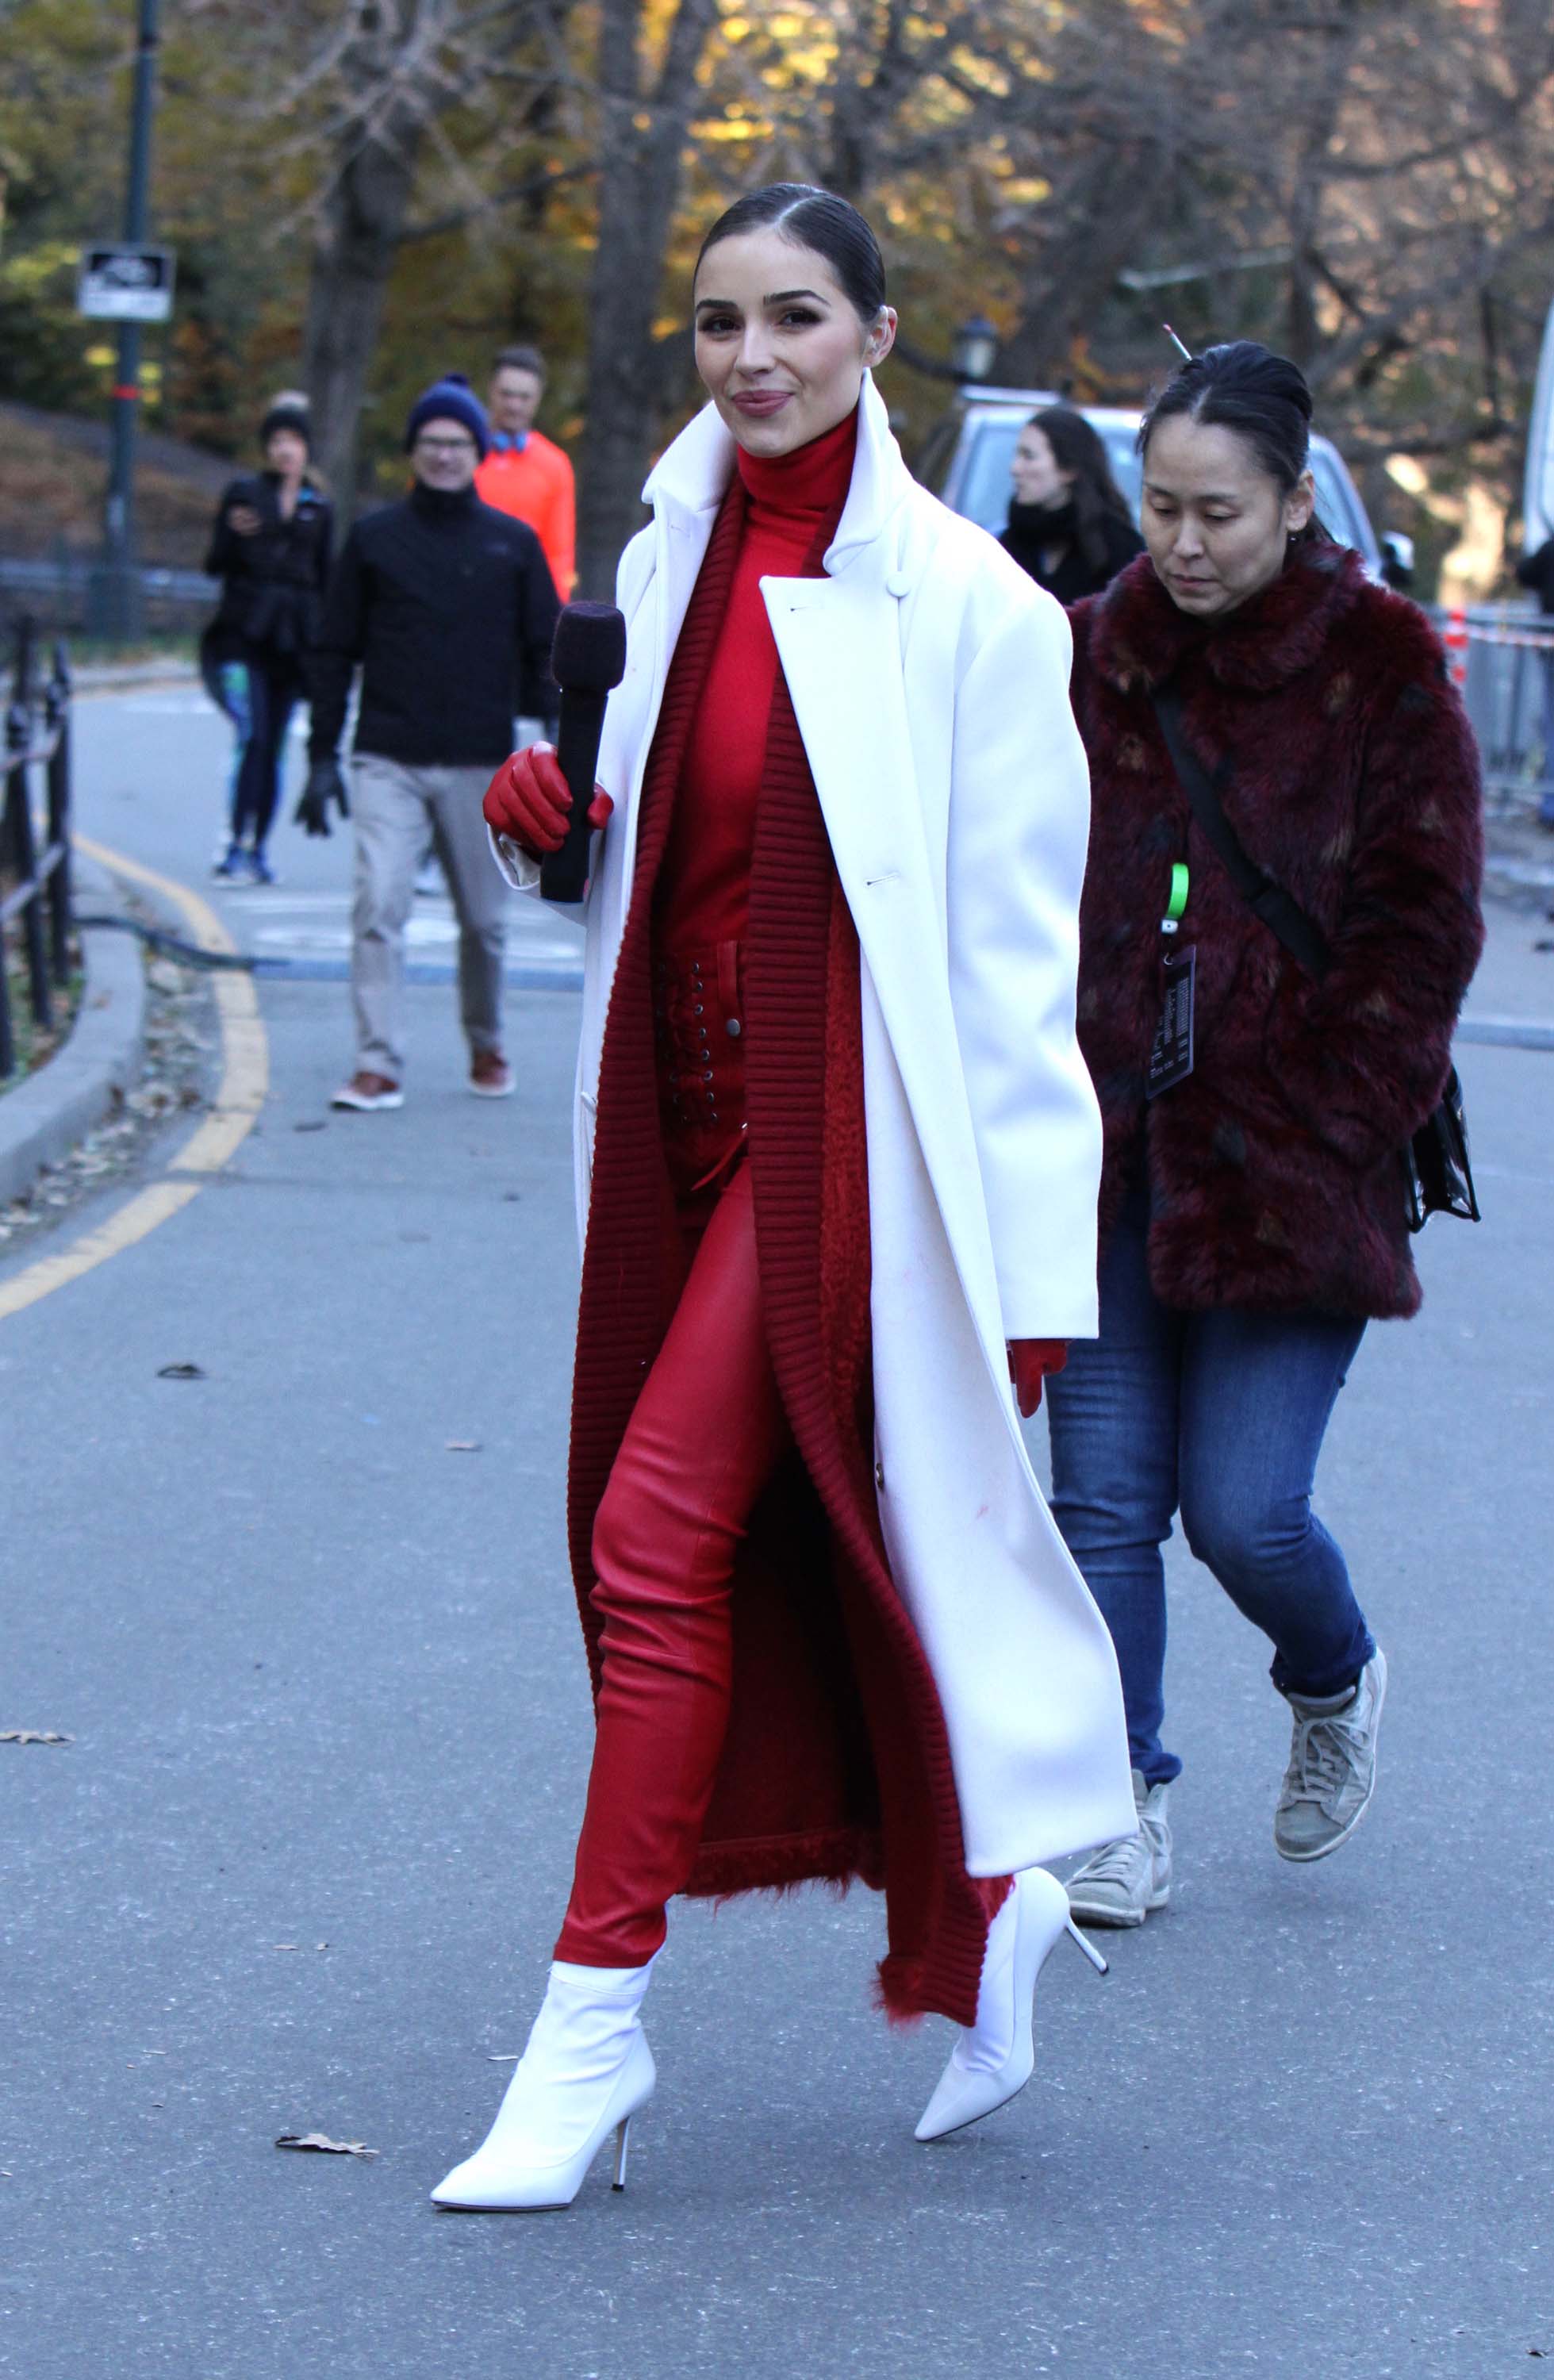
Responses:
[1176,905]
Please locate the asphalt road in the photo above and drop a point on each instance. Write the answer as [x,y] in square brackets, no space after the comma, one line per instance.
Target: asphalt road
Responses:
[301,1866]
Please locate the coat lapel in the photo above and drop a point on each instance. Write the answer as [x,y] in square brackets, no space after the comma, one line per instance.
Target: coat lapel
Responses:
[840,646]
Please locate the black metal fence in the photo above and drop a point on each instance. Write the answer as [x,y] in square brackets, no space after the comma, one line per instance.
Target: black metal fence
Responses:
[35,885]
[58,593]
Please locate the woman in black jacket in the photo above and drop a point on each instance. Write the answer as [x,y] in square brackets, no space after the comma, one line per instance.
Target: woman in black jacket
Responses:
[270,549]
[1069,522]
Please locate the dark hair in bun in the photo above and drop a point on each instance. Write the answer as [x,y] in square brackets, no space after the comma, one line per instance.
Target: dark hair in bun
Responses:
[1245,387]
[813,218]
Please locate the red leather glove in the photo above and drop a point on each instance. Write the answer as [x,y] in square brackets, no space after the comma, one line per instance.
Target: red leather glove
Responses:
[1030,1361]
[528,799]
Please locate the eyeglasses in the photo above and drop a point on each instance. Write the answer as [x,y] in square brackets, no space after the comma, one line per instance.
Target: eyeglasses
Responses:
[445,445]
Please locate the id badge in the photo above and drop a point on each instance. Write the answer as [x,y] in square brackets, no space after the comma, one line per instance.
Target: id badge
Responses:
[1171,1059]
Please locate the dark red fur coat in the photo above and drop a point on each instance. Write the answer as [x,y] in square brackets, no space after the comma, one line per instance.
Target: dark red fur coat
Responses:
[1275,1169]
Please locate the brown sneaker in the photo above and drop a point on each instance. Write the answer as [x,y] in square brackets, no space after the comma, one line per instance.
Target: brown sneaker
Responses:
[366,1090]
[491,1077]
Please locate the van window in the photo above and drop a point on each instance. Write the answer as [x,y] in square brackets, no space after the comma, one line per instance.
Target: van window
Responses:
[1335,507]
[985,487]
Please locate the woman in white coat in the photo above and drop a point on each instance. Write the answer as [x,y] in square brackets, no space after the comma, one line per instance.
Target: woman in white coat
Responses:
[838,1166]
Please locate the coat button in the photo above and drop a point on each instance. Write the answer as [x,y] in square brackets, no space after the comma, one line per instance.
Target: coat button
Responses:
[733,1027]
[880,1477]
[899,583]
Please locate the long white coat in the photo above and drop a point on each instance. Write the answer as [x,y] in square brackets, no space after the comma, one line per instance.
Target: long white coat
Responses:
[929,676]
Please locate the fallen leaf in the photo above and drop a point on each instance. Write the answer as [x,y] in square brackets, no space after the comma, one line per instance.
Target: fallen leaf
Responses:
[463,1445]
[180,1372]
[285,1946]
[315,1125]
[33,1735]
[503,2056]
[321,2141]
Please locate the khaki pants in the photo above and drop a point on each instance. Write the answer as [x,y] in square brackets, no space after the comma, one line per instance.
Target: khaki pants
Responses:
[395,808]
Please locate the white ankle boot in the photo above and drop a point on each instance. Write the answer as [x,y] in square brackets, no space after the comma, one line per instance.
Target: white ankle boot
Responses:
[585,2073]
[995,2057]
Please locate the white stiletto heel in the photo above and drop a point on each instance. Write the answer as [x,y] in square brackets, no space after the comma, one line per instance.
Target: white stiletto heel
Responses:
[996,2056]
[1096,1961]
[586,2072]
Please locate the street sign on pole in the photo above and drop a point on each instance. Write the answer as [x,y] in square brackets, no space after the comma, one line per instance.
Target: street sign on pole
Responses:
[122,283]
[116,600]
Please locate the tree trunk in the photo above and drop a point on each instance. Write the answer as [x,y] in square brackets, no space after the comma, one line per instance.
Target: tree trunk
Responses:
[1115,200]
[353,257]
[642,142]
[1328,91]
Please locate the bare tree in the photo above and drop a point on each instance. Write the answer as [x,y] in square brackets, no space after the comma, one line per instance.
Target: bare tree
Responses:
[374,145]
[375,99]
[645,108]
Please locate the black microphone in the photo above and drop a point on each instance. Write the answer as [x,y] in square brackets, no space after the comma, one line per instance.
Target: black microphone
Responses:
[587,659]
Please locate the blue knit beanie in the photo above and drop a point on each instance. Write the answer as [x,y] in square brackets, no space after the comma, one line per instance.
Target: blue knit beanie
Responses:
[450,399]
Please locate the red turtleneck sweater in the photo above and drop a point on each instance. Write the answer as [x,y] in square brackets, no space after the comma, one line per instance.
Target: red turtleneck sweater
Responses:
[794,504]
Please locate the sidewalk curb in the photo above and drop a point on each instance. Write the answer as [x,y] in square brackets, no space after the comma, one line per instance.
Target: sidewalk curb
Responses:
[44,1118]
[120,677]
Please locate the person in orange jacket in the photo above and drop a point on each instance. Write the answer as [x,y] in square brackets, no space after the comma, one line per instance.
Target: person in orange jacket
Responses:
[526,473]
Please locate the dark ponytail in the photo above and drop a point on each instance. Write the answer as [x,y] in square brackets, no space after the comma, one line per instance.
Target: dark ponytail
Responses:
[1263,398]
[814,218]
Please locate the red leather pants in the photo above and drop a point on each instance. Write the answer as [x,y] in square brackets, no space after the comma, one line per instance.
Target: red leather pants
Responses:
[706,1435]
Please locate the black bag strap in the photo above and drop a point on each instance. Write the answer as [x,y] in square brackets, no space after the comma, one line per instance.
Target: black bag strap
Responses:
[1279,910]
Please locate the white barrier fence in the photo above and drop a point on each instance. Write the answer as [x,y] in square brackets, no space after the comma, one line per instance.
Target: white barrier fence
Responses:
[1502,658]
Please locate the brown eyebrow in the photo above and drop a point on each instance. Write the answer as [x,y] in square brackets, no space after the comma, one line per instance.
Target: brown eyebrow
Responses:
[774,297]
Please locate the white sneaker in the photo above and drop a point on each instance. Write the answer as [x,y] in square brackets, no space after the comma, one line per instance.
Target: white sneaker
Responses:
[366,1091]
[1331,1775]
[1123,1881]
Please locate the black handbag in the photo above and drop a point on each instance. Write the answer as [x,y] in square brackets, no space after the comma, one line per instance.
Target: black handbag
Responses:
[1437,1176]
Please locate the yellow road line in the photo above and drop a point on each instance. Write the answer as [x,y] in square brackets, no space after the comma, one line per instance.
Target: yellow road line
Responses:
[244,1083]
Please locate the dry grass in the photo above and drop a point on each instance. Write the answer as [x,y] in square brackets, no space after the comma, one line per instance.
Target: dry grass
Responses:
[35,1044]
[52,486]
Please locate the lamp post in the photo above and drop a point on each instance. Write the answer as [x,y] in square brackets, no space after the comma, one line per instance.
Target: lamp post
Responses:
[975,348]
[116,600]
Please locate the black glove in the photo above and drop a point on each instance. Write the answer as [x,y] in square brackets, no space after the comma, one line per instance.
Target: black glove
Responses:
[325,784]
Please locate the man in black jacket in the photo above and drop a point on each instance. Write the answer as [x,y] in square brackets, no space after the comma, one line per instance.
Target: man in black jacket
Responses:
[450,609]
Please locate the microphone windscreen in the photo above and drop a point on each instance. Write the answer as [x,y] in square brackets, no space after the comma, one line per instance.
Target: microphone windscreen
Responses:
[589,655]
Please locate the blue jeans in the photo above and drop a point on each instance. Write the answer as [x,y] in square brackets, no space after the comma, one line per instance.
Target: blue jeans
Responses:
[1220,1416]
[259,697]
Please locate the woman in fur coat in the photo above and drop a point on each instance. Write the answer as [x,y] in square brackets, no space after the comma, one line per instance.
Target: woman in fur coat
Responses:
[1253,1211]
[828,1069]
